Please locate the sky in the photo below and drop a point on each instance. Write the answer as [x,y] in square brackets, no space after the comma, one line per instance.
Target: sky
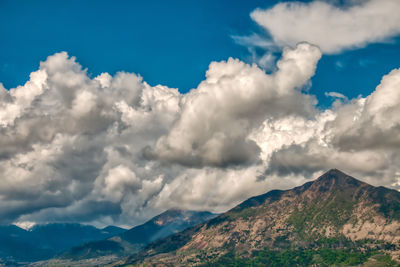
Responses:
[114,111]
[166,42]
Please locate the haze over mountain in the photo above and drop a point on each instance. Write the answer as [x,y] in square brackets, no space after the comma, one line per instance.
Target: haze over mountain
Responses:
[335,214]
[45,241]
[131,241]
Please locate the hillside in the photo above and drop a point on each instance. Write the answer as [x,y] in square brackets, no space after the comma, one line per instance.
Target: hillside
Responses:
[335,219]
[131,241]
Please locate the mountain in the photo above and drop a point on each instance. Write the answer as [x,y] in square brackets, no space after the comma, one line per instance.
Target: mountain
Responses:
[131,241]
[334,220]
[45,241]
[60,236]
[16,245]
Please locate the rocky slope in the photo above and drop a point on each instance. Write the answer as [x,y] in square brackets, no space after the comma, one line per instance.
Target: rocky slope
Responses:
[335,212]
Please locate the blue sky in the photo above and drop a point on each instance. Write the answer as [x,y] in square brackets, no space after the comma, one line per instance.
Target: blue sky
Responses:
[167,42]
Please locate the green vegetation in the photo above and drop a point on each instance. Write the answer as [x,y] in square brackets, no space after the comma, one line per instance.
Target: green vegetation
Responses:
[384,260]
[335,211]
[390,207]
[306,257]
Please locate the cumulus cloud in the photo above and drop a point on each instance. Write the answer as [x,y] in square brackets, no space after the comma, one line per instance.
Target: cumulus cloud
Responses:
[374,123]
[69,141]
[361,137]
[235,98]
[115,150]
[331,27]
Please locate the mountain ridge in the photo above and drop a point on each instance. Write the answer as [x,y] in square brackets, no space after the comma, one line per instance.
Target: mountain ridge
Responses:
[334,211]
[44,241]
[134,239]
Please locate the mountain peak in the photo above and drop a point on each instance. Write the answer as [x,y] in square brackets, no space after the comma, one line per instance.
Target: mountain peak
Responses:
[171,215]
[333,211]
[336,179]
[336,174]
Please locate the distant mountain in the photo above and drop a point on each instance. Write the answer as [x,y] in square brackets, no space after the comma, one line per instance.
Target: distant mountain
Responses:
[16,244]
[131,241]
[47,240]
[334,220]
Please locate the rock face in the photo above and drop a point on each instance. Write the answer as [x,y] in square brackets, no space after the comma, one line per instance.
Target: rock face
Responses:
[335,211]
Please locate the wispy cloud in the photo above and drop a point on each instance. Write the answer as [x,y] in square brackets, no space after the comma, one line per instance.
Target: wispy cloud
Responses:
[333,28]
[335,95]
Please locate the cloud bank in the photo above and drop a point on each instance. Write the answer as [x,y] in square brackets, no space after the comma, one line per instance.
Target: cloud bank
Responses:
[115,150]
[332,28]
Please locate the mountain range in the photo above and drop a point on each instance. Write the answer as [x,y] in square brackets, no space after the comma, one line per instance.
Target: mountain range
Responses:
[131,241]
[47,240]
[98,251]
[73,242]
[335,220]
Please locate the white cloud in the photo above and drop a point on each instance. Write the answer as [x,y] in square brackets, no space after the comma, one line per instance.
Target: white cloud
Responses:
[114,150]
[362,138]
[372,122]
[332,28]
[235,98]
[119,180]
[14,102]
[335,95]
